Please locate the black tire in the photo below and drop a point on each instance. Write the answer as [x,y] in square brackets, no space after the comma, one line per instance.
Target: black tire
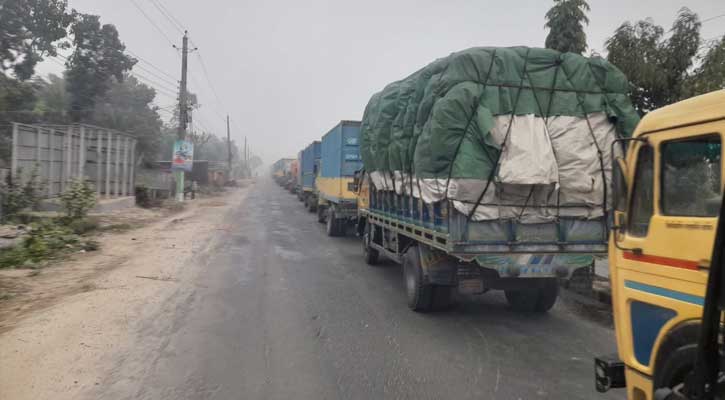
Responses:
[442,297]
[321,214]
[534,300]
[332,224]
[675,367]
[419,294]
[311,205]
[372,256]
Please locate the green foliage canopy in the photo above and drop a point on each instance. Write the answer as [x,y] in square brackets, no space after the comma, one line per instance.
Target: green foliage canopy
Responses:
[565,21]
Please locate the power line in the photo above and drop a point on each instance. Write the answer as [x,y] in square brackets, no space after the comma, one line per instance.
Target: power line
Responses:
[156,75]
[151,21]
[712,18]
[151,64]
[153,82]
[169,17]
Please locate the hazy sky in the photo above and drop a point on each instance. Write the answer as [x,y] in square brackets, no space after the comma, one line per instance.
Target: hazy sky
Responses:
[287,71]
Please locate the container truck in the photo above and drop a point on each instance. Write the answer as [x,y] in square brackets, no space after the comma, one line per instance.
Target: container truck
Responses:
[291,184]
[298,178]
[310,168]
[339,161]
[489,169]
[281,171]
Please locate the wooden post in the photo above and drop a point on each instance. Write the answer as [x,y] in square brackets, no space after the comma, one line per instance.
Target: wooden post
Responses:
[108,163]
[124,186]
[117,171]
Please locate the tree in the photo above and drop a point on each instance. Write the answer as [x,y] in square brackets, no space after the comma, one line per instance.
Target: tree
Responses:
[710,74]
[53,100]
[98,57]
[657,67]
[29,31]
[128,106]
[565,21]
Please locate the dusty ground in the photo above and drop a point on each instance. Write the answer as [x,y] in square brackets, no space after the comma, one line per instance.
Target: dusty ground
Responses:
[59,323]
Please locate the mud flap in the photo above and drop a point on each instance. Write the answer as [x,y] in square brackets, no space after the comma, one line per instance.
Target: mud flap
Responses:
[438,267]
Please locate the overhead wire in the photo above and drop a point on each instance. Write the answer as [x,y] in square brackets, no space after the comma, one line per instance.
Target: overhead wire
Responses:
[151,21]
[169,16]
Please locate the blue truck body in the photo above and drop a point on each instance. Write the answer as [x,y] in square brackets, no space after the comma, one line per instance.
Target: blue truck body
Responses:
[310,165]
[341,150]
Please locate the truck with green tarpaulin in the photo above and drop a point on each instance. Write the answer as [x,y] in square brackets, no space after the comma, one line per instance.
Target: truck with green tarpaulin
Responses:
[490,169]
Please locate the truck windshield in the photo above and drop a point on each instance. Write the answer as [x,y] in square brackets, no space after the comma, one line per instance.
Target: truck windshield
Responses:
[691,178]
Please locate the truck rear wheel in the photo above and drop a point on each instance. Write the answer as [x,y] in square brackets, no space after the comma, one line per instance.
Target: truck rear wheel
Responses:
[311,204]
[420,294]
[333,225]
[321,213]
[371,255]
[534,300]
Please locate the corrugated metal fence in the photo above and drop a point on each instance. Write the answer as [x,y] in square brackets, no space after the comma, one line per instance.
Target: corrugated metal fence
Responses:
[61,153]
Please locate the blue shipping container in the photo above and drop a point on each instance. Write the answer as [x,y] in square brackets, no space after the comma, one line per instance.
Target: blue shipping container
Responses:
[310,165]
[341,150]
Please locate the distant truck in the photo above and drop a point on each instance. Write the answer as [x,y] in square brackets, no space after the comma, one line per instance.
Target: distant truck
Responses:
[298,177]
[291,183]
[310,166]
[282,172]
[489,169]
[339,161]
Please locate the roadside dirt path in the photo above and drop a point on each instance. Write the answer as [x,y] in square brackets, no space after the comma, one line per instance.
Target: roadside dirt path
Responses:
[57,337]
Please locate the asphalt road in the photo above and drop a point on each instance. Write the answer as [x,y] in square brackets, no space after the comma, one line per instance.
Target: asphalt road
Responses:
[284,312]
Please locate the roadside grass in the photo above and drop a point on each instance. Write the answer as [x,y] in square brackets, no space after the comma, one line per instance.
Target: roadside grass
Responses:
[47,241]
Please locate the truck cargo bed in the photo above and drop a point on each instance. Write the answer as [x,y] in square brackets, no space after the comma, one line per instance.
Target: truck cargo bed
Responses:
[440,225]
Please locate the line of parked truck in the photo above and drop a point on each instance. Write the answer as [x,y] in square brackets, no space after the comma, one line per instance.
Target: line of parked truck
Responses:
[510,169]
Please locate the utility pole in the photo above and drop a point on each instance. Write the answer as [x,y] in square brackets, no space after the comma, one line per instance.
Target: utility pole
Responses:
[183,116]
[229,149]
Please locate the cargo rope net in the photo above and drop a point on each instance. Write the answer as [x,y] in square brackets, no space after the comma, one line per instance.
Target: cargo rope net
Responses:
[419,124]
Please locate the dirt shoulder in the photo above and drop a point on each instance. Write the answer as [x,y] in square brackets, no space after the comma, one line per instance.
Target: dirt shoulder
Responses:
[59,326]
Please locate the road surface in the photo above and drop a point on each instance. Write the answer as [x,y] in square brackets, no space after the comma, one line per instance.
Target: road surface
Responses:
[284,312]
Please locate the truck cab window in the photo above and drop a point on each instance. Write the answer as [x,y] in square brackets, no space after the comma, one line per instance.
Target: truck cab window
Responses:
[642,193]
[691,178]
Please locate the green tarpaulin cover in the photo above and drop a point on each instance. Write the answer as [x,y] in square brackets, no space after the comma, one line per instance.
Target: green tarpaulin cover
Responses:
[437,122]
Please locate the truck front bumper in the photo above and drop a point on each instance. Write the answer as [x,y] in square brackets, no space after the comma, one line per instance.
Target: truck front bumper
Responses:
[609,373]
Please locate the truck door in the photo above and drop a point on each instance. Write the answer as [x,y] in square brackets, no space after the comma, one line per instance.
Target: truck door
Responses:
[663,251]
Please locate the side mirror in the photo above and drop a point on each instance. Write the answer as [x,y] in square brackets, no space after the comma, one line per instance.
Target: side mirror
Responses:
[619,184]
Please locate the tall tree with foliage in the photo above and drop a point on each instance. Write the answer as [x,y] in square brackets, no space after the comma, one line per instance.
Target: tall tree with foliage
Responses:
[128,106]
[657,67]
[98,56]
[565,21]
[710,74]
[29,31]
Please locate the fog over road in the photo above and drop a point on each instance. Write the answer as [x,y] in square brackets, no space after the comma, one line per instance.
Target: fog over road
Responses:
[285,312]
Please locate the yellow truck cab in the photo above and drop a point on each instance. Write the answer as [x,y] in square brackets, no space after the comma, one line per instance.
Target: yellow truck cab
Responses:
[667,191]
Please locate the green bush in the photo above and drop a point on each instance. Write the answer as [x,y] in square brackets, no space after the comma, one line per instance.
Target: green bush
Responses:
[17,195]
[78,199]
[83,225]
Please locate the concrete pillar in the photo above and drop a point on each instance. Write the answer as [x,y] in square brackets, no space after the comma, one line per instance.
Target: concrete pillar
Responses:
[108,163]
[82,153]
[124,186]
[132,178]
[117,170]
[99,158]
[51,161]
[68,155]
[14,157]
